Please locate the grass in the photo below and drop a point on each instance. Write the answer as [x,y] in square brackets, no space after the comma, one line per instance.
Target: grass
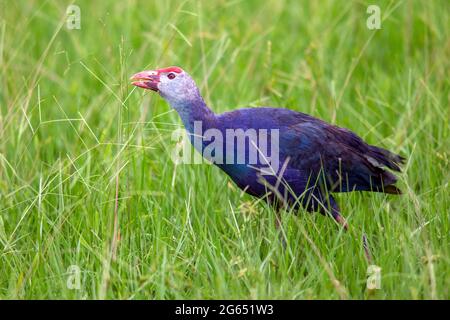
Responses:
[85,171]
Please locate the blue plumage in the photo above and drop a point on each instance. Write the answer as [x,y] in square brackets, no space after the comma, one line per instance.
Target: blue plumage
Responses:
[316,158]
[321,158]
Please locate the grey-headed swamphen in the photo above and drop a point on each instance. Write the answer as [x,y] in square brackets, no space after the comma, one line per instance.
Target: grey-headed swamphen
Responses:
[314,158]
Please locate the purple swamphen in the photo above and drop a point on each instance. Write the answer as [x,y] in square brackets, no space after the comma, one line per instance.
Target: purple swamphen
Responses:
[315,158]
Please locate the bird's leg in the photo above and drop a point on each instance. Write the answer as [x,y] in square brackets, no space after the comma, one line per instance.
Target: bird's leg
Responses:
[327,206]
[279,227]
[336,214]
[366,249]
[277,219]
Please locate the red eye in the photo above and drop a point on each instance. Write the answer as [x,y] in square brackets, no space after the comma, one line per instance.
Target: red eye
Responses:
[171,76]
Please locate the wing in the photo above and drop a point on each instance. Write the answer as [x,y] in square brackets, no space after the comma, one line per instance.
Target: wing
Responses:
[312,145]
[339,157]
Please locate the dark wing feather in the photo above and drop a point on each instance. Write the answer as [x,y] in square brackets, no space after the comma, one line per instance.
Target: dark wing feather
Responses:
[346,161]
[314,146]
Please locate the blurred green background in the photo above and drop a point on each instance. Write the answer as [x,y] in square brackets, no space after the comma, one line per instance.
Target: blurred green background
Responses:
[86,178]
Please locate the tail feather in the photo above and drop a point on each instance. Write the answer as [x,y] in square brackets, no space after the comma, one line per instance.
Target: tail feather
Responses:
[392,190]
[384,180]
[391,160]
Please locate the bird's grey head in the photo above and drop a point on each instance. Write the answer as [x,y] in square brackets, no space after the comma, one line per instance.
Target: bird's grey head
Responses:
[172,83]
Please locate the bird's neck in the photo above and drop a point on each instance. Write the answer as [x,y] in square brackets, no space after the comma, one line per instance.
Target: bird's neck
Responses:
[194,110]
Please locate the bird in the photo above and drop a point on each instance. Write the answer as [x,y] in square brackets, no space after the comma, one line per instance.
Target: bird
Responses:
[315,159]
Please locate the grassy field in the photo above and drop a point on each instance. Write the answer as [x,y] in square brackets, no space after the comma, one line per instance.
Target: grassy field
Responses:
[86,178]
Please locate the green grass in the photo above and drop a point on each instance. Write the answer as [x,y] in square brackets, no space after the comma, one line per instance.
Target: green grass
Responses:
[86,177]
